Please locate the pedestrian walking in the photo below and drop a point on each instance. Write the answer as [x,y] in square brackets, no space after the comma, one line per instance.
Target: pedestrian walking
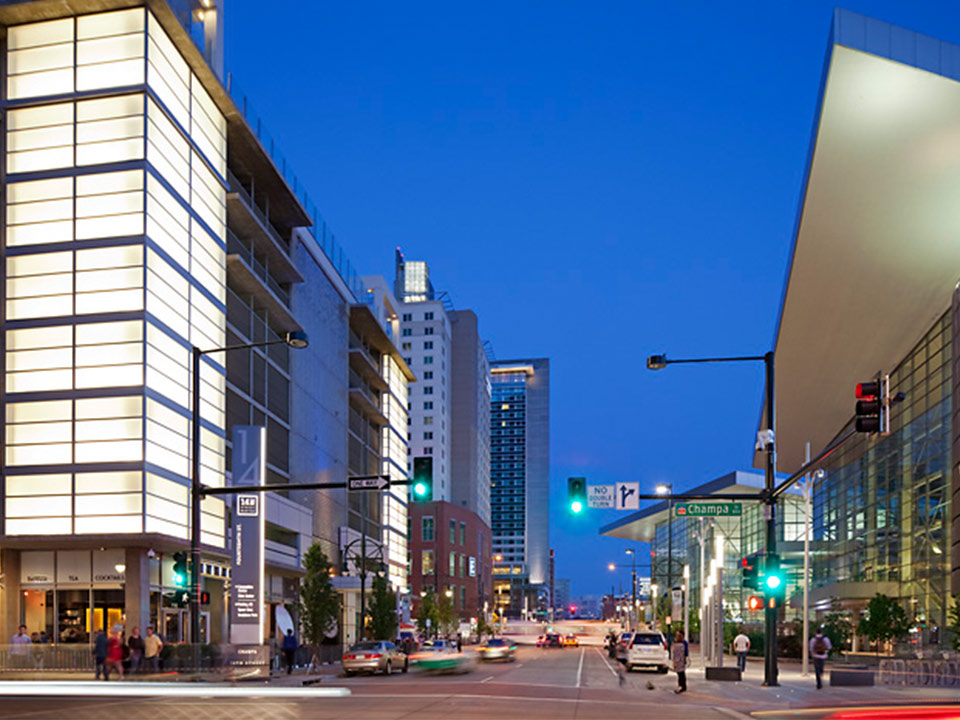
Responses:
[152,645]
[100,644]
[678,654]
[741,645]
[459,642]
[622,672]
[115,653]
[135,645]
[820,647]
[289,648]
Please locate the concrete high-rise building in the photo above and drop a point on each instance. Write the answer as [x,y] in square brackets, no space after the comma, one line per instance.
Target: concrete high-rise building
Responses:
[519,479]
[469,417]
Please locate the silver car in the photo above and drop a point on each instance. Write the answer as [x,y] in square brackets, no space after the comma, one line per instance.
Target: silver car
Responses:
[372,656]
[497,649]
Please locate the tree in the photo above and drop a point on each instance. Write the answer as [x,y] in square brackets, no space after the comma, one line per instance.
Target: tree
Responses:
[483,627]
[838,628]
[319,603]
[448,618]
[953,624]
[383,610]
[428,611]
[884,620]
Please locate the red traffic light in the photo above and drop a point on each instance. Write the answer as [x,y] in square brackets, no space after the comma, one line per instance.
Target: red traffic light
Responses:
[745,563]
[754,603]
[868,390]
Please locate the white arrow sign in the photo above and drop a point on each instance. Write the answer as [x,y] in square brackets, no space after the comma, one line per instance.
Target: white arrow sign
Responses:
[368,483]
[600,496]
[627,496]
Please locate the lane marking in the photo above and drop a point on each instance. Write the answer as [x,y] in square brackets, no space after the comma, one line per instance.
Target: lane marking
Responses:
[485,680]
[580,667]
[71,688]
[609,667]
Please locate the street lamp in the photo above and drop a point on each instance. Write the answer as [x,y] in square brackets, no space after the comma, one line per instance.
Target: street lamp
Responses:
[653,603]
[611,566]
[633,577]
[666,489]
[765,441]
[297,340]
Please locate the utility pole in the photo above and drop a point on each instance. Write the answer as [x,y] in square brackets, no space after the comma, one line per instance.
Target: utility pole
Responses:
[770,671]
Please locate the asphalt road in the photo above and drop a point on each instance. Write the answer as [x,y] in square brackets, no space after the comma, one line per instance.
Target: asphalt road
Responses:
[553,684]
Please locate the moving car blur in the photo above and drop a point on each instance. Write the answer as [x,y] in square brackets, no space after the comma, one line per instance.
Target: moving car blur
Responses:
[571,640]
[497,649]
[442,656]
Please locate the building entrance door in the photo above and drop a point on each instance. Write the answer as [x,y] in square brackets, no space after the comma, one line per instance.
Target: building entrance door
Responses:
[175,625]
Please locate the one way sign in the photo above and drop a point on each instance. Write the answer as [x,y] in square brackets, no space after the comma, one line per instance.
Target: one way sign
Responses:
[370,482]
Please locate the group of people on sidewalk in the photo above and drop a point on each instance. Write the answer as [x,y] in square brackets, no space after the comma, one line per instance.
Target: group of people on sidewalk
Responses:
[111,652]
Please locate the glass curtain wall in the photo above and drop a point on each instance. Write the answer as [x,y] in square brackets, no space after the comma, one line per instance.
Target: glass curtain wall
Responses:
[114,255]
[881,513]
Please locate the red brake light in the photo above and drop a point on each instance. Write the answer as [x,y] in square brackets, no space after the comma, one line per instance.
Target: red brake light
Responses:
[375,656]
[348,657]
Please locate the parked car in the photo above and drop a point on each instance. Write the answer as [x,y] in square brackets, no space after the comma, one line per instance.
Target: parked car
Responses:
[372,656]
[497,649]
[648,649]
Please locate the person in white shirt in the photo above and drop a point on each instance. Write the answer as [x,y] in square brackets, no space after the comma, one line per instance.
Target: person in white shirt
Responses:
[20,641]
[741,645]
[820,647]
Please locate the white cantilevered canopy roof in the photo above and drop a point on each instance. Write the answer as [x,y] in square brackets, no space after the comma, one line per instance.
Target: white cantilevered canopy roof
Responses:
[876,250]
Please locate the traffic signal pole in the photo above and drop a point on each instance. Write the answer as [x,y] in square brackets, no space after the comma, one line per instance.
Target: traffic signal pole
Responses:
[770,670]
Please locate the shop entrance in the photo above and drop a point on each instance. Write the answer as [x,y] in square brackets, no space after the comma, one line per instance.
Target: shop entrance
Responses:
[175,625]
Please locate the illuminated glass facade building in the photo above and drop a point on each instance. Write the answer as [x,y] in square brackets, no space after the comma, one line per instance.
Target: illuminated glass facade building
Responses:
[519,483]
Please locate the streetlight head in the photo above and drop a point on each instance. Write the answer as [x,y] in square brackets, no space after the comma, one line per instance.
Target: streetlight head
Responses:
[656,362]
[629,551]
[663,489]
[297,339]
[611,566]
[448,593]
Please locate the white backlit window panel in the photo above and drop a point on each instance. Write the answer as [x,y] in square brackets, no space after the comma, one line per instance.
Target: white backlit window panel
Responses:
[208,128]
[168,151]
[168,74]
[40,59]
[56,484]
[40,211]
[111,49]
[40,138]
[168,223]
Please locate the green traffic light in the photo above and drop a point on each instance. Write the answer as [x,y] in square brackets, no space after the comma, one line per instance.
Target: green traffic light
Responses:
[576,507]
[420,489]
[773,581]
[179,579]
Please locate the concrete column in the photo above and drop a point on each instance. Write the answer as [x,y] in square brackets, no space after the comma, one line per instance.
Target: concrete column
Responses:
[955,448]
[136,597]
[10,596]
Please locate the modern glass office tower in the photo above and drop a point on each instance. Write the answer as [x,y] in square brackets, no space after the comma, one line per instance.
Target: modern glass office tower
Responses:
[519,482]
[114,258]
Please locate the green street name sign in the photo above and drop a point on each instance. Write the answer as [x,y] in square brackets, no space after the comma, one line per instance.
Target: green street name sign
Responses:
[708,509]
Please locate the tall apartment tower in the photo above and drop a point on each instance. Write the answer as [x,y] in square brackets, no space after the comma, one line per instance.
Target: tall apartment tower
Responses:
[519,478]
[470,417]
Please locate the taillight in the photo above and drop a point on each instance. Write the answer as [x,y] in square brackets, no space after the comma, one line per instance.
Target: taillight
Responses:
[375,656]
[665,646]
[349,657]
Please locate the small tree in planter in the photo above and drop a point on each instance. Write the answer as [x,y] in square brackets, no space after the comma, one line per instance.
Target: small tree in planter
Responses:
[319,601]
[885,620]
[383,610]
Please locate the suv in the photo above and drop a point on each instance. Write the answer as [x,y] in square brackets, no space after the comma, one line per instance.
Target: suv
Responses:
[648,649]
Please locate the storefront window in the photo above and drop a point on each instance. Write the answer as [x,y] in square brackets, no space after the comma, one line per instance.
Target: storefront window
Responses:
[107,609]
[73,615]
[38,612]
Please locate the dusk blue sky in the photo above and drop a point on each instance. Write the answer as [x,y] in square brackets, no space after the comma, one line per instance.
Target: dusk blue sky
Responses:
[598,181]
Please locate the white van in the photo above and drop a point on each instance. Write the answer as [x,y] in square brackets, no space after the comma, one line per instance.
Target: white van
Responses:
[648,649]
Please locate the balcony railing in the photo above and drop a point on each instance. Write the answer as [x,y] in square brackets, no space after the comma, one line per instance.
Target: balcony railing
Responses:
[237,187]
[236,246]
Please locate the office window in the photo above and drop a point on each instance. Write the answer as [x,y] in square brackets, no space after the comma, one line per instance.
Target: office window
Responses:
[428,405]
[428,420]
[428,375]
[426,529]
[463,533]
[463,566]
[428,345]
[428,331]
[407,317]
[428,436]
[428,316]
[428,360]
[426,562]
[463,597]
[428,390]
[408,361]
[406,346]
[453,531]
[406,332]
[453,564]
[428,450]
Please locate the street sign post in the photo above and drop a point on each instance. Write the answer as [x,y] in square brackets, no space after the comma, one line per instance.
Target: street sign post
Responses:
[707,509]
[378,482]
[600,496]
